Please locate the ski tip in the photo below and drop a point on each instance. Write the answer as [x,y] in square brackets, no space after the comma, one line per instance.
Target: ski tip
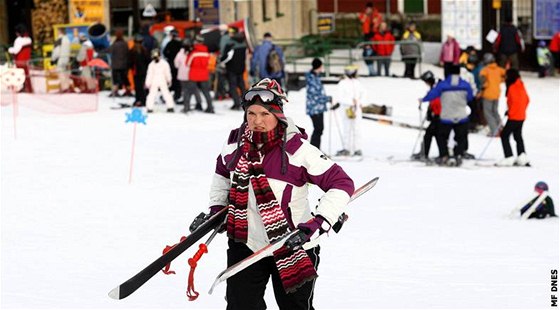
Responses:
[114,293]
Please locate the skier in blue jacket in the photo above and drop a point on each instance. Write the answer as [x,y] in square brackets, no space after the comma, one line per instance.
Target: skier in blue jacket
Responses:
[316,103]
[265,65]
[454,93]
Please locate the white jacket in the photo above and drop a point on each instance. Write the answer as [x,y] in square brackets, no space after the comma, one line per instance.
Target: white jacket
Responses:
[349,89]
[306,164]
[158,73]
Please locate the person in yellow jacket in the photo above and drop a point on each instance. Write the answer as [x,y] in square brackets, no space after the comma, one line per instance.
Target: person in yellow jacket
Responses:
[411,50]
[491,76]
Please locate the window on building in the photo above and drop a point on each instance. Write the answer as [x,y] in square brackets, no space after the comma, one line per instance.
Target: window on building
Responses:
[414,6]
[264,11]
[278,11]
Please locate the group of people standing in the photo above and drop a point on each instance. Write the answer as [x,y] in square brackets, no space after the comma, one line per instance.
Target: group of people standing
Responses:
[380,51]
[450,97]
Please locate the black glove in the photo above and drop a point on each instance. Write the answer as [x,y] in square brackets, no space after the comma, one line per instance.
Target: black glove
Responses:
[203,217]
[335,106]
[506,113]
[199,220]
[304,233]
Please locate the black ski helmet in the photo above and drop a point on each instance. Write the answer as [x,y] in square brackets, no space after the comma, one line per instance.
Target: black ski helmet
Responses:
[541,187]
[428,77]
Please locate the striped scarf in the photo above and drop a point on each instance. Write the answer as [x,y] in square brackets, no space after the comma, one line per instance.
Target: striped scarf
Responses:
[295,268]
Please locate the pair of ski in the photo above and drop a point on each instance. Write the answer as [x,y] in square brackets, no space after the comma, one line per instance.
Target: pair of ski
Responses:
[540,198]
[131,285]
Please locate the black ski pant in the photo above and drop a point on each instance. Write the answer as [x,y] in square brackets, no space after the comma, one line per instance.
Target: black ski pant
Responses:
[236,87]
[318,126]
[514,127]
[189,89]
[175,84]
[139,90]
[409,65]
[245,290]
[431,132]
[461,131]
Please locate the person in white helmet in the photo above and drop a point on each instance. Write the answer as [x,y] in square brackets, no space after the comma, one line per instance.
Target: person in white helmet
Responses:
[350,95]
[159,78]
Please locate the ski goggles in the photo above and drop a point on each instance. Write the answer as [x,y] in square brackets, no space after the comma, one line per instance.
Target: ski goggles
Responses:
[265,95]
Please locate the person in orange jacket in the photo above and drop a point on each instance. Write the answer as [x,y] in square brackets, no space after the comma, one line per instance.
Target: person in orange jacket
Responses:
[491,76]
[370,19]
[517,102]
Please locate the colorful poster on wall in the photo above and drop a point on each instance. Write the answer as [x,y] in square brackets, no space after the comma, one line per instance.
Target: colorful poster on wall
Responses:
[325,23]
[546,18]
[208,11]
[86,11]
[462,19]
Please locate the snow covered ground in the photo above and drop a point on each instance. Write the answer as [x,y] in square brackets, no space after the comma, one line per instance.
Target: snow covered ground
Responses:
[73,227]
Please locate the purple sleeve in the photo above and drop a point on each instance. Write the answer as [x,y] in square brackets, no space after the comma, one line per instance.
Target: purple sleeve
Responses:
[221,168]
[333,178]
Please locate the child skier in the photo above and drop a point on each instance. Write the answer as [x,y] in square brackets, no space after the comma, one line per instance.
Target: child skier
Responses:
[432,115]
[544,208]
[159,78]
[350,95]
[544,58]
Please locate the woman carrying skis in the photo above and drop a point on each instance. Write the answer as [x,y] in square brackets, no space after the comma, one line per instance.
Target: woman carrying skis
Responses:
[261,176]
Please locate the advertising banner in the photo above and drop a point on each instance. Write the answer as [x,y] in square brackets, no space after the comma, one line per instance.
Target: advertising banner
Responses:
[546,18]
[463,20]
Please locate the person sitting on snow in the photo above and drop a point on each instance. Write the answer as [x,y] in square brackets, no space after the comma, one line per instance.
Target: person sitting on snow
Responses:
[544,208]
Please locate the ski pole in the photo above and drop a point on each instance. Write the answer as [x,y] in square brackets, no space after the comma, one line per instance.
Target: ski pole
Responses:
[494,135]
[422,121]
[202,248]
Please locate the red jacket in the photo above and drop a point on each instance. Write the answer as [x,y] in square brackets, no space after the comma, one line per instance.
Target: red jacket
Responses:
[197,61]
[555,43]
[517,101]
[435,106]
[384,49]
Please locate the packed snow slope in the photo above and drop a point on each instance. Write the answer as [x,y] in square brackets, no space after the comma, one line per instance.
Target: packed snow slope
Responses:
[73,228]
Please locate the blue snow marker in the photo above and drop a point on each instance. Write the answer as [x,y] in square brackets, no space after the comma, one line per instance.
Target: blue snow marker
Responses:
[136,116]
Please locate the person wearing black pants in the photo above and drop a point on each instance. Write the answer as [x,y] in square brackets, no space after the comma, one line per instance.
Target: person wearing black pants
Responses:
[246,290]
[316,101]
[234,57]
[517,101]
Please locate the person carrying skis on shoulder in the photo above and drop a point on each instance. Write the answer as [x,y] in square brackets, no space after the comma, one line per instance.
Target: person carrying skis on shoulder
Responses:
[517,101]
[432,115]
[546,207]
[261,178]
[350,94]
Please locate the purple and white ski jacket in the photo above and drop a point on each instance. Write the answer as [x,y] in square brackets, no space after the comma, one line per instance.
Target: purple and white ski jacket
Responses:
[306,164]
